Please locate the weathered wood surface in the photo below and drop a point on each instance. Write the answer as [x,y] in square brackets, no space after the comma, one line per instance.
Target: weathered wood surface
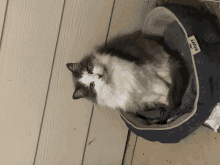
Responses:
[26,57]
[66,121]
[201,147]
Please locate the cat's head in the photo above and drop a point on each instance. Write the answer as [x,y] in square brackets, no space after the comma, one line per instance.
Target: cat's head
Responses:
[89,77]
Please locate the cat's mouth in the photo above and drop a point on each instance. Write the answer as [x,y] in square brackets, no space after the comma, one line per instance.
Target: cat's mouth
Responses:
[103,77]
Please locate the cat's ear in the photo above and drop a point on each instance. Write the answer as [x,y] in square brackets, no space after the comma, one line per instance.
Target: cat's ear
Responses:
[79,93]
[73,67]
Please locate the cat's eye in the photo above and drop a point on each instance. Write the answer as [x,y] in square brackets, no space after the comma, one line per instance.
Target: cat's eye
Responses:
[92,85]
[89,69]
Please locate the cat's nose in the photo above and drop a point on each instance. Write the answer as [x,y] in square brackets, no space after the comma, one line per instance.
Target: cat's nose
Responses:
[100,76]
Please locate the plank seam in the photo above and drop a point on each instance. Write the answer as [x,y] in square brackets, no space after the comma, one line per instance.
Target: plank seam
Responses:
[110,20]
[126,146]
[48,89]
[87,137]
[3,26]
[93,105]
[134,150]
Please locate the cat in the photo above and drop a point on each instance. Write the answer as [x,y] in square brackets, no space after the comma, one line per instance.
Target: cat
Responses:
[133,73]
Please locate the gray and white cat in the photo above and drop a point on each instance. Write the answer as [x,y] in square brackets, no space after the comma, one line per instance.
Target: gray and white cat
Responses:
[133,73]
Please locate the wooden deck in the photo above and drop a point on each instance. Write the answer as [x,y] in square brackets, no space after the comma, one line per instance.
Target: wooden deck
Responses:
[40,124]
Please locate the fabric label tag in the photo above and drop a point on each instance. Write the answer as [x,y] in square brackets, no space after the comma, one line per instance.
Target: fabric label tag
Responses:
[194,46]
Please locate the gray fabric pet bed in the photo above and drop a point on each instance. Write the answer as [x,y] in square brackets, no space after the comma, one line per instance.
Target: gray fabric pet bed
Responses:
[194,33]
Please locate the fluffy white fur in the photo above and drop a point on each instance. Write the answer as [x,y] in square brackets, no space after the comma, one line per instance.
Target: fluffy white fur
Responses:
[127,86]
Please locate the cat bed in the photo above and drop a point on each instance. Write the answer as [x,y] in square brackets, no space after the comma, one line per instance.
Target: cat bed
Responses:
[193,32]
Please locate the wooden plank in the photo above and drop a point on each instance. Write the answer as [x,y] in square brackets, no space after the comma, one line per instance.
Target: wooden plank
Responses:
[130,148]
[108,132]
[3,7]
[66,121]
[129,15]
[107,138]
[26,57]
[201,147]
